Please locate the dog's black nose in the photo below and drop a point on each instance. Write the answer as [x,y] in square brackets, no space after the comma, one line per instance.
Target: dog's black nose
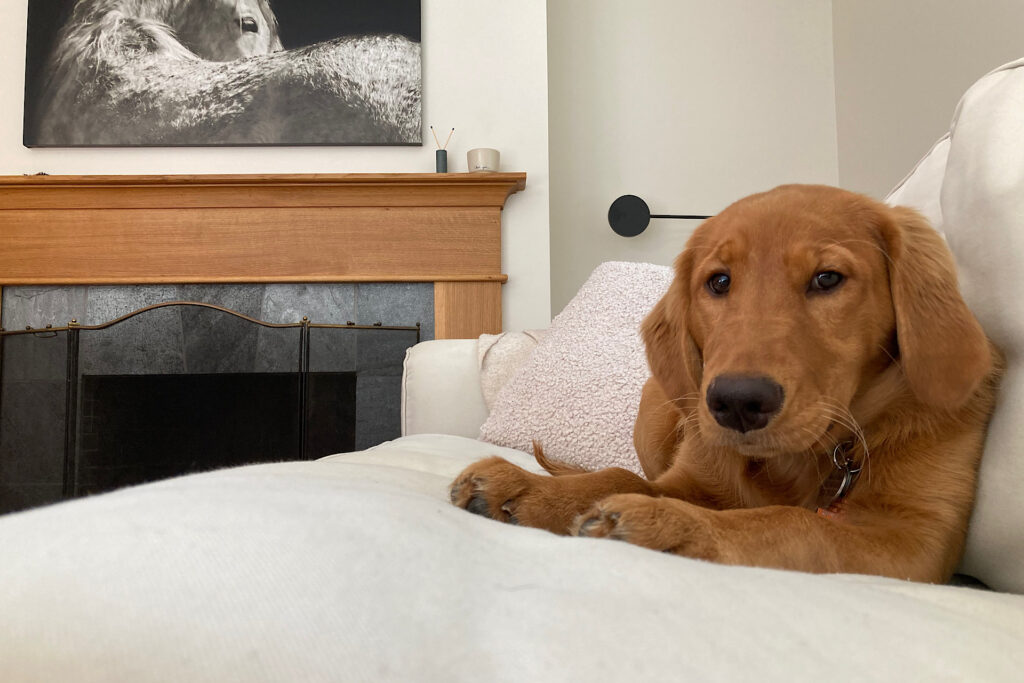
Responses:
[744,403]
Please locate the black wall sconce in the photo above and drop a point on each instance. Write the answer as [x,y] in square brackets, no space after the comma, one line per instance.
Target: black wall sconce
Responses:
[629,215]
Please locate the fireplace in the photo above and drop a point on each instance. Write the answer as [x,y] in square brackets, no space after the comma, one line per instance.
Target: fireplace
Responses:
[168,387]
[69,243]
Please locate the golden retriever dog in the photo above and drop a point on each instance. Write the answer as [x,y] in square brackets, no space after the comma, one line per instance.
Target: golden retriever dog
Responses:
[818,401]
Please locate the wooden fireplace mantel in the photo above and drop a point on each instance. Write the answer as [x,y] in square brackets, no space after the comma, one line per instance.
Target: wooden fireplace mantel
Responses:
[443,228]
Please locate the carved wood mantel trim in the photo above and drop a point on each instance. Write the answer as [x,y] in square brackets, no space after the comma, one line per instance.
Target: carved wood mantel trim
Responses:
[391,227]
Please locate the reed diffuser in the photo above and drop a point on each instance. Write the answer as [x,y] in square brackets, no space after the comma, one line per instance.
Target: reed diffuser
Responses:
[441,156]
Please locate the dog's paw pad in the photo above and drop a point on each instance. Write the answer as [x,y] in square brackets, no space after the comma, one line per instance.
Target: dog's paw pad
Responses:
[478,506]
[597,523]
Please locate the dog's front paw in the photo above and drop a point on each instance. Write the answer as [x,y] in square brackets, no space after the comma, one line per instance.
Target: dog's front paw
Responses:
[494,488]
[664,524]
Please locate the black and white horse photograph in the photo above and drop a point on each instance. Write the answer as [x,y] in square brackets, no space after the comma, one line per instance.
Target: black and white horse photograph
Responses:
[223,72]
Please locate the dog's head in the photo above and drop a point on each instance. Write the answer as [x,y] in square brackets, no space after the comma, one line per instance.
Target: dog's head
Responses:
[790,303]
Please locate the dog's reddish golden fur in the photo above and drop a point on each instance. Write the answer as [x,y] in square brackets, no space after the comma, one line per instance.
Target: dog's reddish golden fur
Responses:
[889,361]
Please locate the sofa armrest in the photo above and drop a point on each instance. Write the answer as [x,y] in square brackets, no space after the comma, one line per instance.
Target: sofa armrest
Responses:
[441,389]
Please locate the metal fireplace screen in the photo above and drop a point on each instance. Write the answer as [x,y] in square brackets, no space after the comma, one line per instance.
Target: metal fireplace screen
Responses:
[90,408]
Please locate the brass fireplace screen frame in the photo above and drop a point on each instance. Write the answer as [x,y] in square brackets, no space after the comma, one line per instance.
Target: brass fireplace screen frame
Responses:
[74,329]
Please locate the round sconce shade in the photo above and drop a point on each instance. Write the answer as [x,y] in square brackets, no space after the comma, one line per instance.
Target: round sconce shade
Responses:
[629,215]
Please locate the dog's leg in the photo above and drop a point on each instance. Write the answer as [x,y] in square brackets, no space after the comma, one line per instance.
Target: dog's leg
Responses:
[782,537]
[658,430]
[498,489]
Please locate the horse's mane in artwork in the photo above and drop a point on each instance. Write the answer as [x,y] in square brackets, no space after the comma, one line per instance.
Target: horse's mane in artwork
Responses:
[161,72]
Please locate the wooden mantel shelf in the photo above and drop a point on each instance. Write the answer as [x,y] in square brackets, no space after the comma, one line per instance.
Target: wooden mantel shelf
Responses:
[264,190]
[355,227]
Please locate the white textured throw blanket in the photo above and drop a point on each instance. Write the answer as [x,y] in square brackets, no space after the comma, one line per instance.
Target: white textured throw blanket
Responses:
[356,568]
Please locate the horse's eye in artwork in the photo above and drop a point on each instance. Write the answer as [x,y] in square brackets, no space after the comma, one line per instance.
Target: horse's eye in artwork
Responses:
[249,24]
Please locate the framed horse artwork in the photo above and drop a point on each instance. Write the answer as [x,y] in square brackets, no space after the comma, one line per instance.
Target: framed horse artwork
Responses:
[222,72]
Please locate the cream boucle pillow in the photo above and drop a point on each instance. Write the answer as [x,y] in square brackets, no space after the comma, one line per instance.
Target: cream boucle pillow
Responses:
[579,391]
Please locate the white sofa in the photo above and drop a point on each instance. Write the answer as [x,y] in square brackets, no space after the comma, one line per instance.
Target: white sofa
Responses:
[356,568]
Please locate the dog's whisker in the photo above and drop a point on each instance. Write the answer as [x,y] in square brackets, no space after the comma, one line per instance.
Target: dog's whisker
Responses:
[693,396]
[886,351]
[689,421]
[846,421]
[852,421]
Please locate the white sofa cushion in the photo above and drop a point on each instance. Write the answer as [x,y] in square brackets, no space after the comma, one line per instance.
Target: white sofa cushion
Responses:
[579,391]
[922,187]
[357,568]
[982,202]
[441,389]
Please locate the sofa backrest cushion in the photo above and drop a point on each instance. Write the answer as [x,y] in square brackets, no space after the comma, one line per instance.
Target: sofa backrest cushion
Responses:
[922,187]
[982,216]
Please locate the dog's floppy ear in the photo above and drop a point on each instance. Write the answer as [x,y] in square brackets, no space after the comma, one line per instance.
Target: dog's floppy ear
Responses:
[671,352]
[943,350]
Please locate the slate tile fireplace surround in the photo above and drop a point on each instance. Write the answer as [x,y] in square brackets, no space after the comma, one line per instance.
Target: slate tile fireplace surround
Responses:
[185,388]
[393,249]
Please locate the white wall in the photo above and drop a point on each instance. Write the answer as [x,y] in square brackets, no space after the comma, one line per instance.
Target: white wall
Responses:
[687,103]
[901,67]
[484,72]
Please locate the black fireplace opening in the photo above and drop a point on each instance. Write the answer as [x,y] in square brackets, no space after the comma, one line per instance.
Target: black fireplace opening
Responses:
[140,428]
[178,387]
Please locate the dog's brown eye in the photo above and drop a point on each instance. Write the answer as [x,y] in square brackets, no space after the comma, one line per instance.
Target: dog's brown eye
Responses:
[825,280]
[719,283]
